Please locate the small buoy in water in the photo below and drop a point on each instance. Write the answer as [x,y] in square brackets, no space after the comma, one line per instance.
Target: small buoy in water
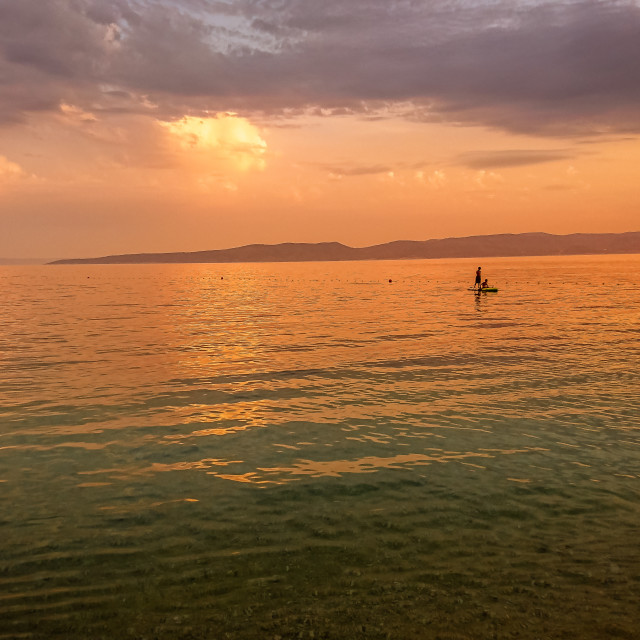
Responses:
[390,280]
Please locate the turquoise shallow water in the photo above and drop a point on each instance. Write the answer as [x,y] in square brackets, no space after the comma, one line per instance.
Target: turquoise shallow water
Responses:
[310,450]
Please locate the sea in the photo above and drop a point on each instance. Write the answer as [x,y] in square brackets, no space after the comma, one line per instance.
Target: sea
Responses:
[337,450]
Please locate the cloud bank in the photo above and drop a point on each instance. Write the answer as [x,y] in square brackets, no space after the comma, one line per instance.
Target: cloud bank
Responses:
[549,68]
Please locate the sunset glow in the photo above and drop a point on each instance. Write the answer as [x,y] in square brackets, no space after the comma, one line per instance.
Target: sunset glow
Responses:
[223,136]
[148,125]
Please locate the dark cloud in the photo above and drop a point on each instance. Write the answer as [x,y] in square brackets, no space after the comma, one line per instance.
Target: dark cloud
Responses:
[557,68]
[357,170]
[53,51]
[510,158]
[559,187]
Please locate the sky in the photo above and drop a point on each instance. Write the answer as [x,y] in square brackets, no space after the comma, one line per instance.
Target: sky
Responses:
[183,125]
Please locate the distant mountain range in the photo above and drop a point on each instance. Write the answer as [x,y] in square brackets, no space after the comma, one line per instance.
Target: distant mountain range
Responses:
[505,244]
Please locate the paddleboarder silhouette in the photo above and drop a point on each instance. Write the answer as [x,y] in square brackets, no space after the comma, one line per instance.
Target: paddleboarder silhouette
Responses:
[478,278]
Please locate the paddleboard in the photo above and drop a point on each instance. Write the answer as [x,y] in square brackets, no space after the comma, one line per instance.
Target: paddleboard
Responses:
[485,290]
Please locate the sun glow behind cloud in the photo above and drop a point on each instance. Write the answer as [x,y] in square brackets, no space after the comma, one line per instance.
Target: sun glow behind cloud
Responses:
[224,137]
[198,125]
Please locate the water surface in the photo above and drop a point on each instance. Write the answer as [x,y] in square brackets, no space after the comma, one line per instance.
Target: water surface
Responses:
[336,450]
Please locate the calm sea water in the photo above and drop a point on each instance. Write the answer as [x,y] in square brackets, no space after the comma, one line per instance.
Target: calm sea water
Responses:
[336,450]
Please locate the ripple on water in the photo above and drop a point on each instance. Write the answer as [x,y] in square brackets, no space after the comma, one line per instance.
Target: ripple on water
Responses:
[181,453]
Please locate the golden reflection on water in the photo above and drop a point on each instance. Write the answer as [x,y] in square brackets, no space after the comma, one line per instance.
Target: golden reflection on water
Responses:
[159,357]
[369,464]
[180,441]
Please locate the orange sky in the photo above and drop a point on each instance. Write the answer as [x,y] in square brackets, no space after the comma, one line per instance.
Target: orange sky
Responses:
[357,137]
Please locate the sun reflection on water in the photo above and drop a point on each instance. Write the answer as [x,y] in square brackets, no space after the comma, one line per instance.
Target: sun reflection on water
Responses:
[158,420]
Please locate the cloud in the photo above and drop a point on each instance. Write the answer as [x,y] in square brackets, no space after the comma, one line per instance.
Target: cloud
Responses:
[510,158]
[10,171]
[51,52]
[357,170]
[437,179]
[553,68]
[487,179]
[76,114]
[225,136]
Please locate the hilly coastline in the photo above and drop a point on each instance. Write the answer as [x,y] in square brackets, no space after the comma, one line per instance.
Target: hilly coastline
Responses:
[498,245]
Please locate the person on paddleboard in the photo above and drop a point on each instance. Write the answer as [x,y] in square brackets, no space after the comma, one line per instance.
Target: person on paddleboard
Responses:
[478,278]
